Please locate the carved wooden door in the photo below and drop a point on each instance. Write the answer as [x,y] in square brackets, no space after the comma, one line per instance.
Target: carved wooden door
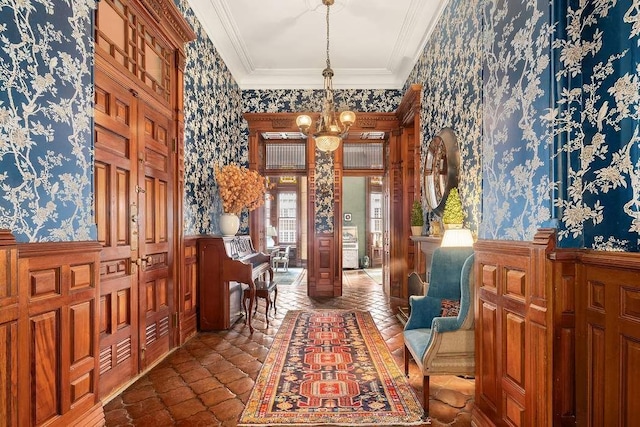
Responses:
[116,213]
[133,183]
[155,178]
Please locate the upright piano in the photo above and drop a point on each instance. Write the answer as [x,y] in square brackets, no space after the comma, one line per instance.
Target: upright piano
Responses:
[227,266]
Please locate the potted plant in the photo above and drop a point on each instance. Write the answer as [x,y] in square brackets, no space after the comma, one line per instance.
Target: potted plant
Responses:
[453,216]
[417,218]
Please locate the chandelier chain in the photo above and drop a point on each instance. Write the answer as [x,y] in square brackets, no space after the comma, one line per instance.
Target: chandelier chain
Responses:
[328,61]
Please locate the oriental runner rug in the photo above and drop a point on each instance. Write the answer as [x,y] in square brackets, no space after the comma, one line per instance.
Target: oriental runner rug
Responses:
[330,367]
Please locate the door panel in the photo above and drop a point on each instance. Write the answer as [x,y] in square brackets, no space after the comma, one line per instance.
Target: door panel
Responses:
[114,180]
[156,281]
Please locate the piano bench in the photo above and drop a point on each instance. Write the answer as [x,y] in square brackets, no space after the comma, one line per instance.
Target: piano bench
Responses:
[264,289]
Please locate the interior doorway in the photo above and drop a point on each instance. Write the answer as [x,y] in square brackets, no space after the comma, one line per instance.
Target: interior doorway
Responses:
[285,219]
[362,222]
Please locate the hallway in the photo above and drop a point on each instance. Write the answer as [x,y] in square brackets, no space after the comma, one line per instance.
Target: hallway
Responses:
[207,381]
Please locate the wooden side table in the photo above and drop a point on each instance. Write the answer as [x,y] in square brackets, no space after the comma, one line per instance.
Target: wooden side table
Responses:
[264,289]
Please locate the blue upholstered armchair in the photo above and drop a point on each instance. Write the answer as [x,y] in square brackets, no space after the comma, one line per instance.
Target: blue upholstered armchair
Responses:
[439,332]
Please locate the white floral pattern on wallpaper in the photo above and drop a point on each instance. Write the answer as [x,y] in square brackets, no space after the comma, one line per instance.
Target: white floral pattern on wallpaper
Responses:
[598,112]
[286,101]
[516,185]
[46,100]
[450,72]
[215,131]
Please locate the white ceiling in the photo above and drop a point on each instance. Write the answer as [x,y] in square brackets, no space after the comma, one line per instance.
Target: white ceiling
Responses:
[281,44]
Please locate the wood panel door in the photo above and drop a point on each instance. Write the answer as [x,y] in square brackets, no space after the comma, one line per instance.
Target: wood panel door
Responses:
[155,221]
[134,175]
[116,211]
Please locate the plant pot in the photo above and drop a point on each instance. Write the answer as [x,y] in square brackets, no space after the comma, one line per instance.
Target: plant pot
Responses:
[452,226]
[416,230]
[229,224]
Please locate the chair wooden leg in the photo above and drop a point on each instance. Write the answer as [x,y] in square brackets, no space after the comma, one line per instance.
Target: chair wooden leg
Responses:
[425,394]
[406,361]
[275,297]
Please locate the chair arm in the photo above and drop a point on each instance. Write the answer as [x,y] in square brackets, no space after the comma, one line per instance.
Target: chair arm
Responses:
[423,310]
[445,324]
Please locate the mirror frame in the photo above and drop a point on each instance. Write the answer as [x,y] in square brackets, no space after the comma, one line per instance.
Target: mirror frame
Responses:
[440,169]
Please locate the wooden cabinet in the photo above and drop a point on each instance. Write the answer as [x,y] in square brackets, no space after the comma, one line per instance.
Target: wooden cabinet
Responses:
[423,251]
[375,255]
[418,279]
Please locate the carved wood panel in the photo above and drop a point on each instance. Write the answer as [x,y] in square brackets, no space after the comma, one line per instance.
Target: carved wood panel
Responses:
[58,377]
[608,335]
[116,210]
[325,265]
[8,329]
[188,294]
[156,295]
[513,366]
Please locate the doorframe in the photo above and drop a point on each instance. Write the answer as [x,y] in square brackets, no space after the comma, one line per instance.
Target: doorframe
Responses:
[402,167]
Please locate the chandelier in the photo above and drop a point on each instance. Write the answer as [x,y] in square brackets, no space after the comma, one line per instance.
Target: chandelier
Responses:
[329,132]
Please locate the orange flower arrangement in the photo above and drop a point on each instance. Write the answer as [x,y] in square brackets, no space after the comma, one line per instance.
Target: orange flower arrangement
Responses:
[240,188]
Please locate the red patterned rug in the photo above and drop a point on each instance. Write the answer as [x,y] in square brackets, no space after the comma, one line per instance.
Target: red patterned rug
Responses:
[330,367]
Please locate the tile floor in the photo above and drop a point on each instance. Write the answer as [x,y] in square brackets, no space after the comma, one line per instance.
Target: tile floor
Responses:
[207,381]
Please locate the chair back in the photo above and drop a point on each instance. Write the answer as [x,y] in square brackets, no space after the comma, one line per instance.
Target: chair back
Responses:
[446,265]
[466,317]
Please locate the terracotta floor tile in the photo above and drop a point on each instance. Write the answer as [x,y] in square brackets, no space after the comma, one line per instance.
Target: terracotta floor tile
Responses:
[241,385]
[186,409]
[208,380]
[214,397]
[204,385]
[177,395]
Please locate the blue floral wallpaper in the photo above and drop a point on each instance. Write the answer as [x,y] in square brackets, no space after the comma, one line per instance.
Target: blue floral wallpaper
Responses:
[543,96]
[287,101]
[450,72]
[215,131]
[596,120]
[516,185]
[46,101]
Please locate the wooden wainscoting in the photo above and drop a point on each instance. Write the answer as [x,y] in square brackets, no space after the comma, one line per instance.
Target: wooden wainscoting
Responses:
[557,335]
[608,339]
[524,333]
[188,291]
[57,382]
[8,329]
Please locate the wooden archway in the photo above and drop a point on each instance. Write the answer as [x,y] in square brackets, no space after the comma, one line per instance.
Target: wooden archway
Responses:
[324,250]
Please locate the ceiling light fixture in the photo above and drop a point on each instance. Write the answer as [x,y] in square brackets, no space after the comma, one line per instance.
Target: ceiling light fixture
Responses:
[329,132]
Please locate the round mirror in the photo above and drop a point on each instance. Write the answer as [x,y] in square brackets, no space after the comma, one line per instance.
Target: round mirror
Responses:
[441,164]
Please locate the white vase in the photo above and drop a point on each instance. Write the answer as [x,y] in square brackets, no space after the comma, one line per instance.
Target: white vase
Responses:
[229,224]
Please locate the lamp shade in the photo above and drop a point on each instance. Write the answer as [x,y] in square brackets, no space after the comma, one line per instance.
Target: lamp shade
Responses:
[271,231]
[327,142]
[347,118]
[303,122]
[457,237]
